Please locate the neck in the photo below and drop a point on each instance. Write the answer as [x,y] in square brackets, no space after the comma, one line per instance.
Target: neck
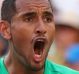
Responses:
[15,67]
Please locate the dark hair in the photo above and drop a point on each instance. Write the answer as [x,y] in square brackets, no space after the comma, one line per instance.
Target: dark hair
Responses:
[8,10]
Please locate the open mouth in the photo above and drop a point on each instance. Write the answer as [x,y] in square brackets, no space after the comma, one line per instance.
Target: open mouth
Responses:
[39,46]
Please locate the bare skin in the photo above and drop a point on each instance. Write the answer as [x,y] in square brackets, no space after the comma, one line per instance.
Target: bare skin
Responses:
[32,23]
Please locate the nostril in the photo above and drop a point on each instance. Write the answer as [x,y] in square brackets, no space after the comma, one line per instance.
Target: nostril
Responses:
[41,31]
[38,31]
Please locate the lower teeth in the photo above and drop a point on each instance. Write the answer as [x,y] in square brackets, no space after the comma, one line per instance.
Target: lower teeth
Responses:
[39,52]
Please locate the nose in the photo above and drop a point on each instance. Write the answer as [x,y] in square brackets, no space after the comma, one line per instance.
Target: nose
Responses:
[41,28]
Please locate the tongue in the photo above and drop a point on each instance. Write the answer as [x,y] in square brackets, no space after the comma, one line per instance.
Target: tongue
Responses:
[38,55]
[37,58]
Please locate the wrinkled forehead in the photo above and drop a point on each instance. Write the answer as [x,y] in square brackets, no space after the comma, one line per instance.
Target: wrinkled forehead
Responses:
[29,4]
[32,2]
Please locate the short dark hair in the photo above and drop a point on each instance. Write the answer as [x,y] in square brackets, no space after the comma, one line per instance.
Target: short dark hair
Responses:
[8,10]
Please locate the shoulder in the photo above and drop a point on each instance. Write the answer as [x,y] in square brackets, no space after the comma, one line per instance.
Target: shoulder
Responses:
[3,69]
[1,62]
[59,69]
[1,65]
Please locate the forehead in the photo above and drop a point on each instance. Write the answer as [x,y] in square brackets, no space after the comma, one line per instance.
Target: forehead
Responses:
[25,5]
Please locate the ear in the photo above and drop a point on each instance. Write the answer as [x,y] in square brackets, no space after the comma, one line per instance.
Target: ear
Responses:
[5,29]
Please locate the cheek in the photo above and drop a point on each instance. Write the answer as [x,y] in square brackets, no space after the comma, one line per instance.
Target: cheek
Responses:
[51,32]
[21,36]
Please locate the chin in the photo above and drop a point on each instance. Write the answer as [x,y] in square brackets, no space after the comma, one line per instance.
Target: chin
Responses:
[37,68]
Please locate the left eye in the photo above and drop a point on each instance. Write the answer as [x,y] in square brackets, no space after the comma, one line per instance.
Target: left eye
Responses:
[48,19]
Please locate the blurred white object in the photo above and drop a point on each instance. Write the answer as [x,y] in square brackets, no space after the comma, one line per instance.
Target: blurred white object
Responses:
[69,18]
[65,5]
[67,12]
[0,7]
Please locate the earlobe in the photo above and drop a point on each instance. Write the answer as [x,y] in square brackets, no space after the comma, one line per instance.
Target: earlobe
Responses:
[5,29]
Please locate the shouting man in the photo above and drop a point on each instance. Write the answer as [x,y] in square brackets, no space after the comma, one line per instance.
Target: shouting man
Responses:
[29,27]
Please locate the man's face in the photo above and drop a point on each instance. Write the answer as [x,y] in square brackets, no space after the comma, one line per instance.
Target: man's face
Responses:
[32,32]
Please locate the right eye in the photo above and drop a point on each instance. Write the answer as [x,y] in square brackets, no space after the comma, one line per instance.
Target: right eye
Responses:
[28,19]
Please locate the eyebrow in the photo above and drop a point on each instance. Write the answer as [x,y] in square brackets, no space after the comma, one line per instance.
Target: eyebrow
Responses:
[48,13]
[29,14]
